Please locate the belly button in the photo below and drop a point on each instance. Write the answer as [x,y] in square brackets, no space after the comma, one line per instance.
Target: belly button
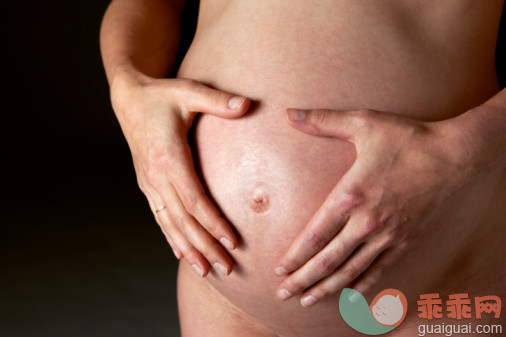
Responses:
[259,203]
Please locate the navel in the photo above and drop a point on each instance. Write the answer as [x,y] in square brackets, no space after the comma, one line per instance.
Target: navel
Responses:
[259,202]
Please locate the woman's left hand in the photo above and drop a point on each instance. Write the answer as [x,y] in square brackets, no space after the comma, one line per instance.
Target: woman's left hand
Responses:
[404,171]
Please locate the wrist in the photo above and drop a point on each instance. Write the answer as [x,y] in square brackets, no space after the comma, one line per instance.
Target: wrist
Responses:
[124,85]
[475,146]
[126,75]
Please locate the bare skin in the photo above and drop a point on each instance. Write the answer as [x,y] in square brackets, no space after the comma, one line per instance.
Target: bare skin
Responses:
[419,79]
[139,40]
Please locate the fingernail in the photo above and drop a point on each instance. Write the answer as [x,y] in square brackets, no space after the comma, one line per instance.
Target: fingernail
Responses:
[296,115]
[283,294]
[280,271]
[308,301]
[198,270]
[227,243]
[220,268]
[235,102]
[176,254]
[354,297]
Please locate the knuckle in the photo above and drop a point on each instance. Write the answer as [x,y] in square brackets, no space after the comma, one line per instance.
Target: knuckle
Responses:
[151,177]
[191,254]
[160,157]
[404,246]
[366,285]
[218,99]
[164,162]
[165,224]
[373,224]
[289,263]
[321,292]
[377,270]
[350,272]
[363,120]
[391,238]
[380,270]
[181,222]
[339,249]
[326,264]
[293,285]
[316,240]
[165,227]
[364,115]
[351,200]
[208,251]
[319,116]
[191,201]
[213,225]
[188,84]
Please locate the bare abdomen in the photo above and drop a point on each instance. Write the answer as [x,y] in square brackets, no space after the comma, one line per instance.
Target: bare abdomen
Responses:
[269,179]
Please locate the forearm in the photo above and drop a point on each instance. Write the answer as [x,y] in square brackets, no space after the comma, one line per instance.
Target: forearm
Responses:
[484,128]
[140,37]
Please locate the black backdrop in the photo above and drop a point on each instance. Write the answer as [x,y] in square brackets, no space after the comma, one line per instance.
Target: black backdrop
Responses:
[80,252]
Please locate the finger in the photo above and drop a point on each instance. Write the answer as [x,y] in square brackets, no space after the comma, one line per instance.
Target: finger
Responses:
[377,269]
[345,274]
[197,97]
[164,228]
[184,247]
[177,252]
[190,201]
[339,124]
[208,246]
[321,228]
[198,236]
[171,242]
[322,264]
[150,196]
[195,201]
[195,258]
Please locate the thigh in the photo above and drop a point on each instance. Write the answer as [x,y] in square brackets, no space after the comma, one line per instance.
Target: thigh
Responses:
[203,311]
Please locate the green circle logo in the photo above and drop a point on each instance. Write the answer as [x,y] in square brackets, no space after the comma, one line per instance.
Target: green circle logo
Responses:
[386,312]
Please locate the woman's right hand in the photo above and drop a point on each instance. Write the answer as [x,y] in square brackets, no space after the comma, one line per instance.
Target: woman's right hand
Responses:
[155,116]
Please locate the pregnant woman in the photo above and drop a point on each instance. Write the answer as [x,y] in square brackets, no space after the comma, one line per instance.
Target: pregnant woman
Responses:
[339,144]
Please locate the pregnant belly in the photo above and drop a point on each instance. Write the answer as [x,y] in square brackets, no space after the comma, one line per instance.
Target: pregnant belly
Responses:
[268,179]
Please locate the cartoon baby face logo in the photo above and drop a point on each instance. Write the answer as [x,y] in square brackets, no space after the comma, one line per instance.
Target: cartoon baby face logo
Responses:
[386,312]
[388,307]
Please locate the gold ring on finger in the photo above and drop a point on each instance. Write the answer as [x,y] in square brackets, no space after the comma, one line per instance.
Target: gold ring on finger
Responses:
[161,208]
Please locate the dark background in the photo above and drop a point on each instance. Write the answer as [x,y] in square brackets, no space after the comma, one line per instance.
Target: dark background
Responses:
[80,252]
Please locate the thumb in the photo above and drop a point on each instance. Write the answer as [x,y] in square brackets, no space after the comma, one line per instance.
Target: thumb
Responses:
[323,122]
[197,97]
